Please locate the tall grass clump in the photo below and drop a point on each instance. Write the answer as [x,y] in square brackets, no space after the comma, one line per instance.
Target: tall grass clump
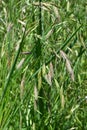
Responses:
[43,65]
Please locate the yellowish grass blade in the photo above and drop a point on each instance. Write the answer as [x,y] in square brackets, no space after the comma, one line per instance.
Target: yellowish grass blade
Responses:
[62,98]
[50,75]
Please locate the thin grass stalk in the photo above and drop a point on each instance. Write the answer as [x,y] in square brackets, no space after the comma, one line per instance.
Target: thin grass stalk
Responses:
[21,98]
[40,44]
[38,54]
[35,87]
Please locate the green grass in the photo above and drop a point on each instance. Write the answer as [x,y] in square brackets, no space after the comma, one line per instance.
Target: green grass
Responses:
[43,65]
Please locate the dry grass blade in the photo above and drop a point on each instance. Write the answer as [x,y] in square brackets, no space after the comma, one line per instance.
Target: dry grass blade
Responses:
[42,4]
[70,70]
[63,55]
[56,12]
[20,63]
[50,75]
[49,33]
[51,70]
[56,54]
[68,65]
[22,87]
[26,53]
[35,97]
[62,98]
[22,22]
[43,70]
[9,27]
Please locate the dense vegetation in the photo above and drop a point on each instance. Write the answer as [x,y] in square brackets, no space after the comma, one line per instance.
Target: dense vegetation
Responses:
[43,65]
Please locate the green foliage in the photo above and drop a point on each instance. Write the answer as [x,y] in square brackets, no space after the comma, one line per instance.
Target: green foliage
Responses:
[43,65]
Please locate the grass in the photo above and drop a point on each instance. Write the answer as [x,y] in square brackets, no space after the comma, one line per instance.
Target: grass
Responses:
[43,79]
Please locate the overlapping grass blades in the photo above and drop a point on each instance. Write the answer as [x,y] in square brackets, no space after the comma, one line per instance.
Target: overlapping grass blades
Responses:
[53,57]
[13,66]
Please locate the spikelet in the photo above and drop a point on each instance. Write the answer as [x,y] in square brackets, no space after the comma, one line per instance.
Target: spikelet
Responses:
[56,12]
[49,76]
[68,65]
[70,70]
[20,64]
